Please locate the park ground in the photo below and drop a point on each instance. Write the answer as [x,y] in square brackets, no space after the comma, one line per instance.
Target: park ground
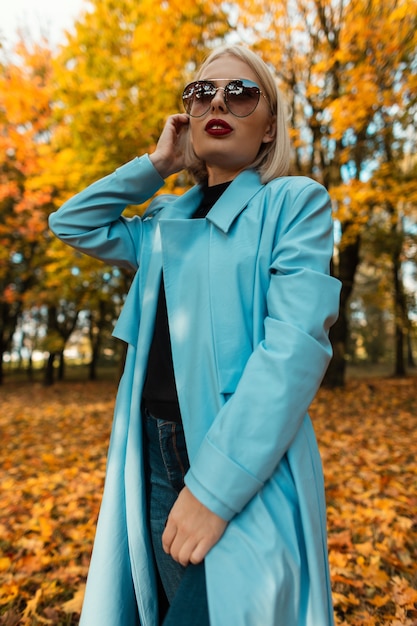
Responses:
[52,459]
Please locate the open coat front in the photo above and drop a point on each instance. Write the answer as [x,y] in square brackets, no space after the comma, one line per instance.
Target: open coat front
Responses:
[249,304]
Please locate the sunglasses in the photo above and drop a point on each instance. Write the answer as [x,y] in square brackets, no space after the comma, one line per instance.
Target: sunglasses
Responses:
[241,96]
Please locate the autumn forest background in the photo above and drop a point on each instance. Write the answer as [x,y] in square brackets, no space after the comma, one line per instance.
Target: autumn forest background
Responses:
[72,114]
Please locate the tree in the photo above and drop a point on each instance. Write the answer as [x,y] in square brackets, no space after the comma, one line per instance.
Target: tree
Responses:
[350,72]
[24,131]
[113,84]
[117,78]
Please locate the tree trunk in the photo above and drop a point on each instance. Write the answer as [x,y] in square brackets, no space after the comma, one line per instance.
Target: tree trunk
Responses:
[401,314]
[8,322]
[399,365]
[61,367]
[29,371]
[1,362]
[410,357]
[92,368]
[401,320]
[49,378]
[339,333]
[95,334]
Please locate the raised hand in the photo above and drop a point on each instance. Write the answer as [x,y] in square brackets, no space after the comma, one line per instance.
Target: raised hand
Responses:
[168,156]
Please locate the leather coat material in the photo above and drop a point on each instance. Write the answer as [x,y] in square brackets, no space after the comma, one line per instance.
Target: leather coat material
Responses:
[250,302]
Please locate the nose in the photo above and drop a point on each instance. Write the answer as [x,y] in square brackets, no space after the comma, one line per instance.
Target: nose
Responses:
[218,100]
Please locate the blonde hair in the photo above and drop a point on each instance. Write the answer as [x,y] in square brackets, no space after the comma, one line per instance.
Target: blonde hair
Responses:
[273,159]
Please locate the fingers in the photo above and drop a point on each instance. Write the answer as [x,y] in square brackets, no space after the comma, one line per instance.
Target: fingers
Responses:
[184,549]
[183,553]
[173,129]
[179,121]
[168,156]
[199,552]
[168,536]
[191,530]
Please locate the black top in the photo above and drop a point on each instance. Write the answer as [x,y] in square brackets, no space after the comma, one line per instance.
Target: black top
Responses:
[159,391]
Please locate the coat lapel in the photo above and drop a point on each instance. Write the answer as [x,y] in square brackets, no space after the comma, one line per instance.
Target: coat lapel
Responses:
[234,199]
[227,208]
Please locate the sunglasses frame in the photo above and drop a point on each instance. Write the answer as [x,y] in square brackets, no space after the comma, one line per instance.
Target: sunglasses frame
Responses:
[225,92]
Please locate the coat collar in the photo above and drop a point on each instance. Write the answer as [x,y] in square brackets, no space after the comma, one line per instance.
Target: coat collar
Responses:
[226,209]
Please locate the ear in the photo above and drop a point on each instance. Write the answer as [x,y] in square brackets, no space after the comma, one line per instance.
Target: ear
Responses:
[270,131]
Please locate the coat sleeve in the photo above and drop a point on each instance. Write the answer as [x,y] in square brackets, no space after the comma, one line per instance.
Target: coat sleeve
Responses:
[91,221]
[257,425]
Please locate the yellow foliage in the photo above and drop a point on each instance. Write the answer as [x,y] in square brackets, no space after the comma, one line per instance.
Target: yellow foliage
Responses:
[118,78]
[54,456]
[75,604]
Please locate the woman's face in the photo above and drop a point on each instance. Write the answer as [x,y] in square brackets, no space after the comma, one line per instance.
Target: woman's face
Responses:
[229,144]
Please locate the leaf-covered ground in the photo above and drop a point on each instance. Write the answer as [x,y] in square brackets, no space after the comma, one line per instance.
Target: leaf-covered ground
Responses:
[52,458]
[368,440]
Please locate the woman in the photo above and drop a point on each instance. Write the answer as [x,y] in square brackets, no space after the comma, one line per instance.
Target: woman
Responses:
[214,488]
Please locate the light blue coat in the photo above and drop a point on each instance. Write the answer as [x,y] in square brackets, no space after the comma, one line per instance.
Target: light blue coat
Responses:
[249,303]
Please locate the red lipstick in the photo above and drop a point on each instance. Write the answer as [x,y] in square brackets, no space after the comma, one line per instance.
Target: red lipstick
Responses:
[218,128]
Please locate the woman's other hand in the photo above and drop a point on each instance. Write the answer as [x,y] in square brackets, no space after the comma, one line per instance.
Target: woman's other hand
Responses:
[168,157]
[191,529]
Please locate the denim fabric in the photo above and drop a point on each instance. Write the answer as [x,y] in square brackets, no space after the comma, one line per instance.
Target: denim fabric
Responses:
[166,465]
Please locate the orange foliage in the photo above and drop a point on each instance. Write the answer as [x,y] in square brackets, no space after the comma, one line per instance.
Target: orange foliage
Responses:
[368,443]
[54,444]
[25,125]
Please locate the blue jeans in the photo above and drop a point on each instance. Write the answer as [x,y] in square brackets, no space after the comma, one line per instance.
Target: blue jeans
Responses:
[181,590]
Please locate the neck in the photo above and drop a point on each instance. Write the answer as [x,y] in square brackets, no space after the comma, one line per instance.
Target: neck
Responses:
[218,176]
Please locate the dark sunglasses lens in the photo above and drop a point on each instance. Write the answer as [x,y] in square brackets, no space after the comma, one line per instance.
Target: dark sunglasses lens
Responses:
[241,98]
[197,98]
